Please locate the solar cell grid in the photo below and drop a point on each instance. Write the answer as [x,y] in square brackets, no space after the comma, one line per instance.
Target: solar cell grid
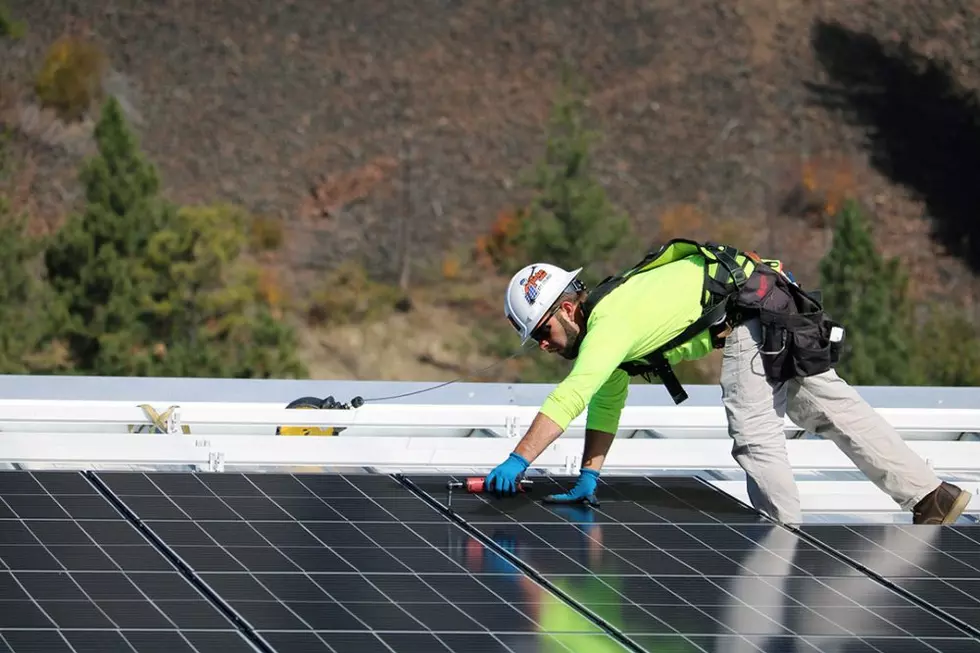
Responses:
[337,563]
[688,561]
[324,562]
[941,566]
[78,577]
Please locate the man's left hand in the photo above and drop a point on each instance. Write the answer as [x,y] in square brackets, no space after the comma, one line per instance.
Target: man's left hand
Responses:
[583,492]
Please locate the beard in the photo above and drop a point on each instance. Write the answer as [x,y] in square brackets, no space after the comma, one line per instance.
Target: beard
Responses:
[573,339]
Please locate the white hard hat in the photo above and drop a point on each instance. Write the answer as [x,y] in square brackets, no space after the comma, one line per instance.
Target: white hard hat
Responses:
[531,292]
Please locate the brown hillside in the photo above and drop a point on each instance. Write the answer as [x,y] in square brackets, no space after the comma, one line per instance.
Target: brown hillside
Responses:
[346,119]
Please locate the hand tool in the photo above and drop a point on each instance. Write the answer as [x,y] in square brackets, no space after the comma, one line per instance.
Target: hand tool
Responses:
[474,485]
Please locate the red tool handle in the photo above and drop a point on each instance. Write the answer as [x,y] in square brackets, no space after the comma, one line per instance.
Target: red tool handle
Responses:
[475,485]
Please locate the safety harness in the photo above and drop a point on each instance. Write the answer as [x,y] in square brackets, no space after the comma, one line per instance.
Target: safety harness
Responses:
[731,292]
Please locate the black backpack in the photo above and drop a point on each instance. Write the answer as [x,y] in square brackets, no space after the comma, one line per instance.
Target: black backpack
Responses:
[738,286]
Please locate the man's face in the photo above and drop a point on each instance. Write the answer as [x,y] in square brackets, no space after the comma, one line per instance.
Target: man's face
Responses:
[559,334]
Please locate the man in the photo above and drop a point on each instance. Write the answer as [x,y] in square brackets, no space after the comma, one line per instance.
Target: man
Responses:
[679,303]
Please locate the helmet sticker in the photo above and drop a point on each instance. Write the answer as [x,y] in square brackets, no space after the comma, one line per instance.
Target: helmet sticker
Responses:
[532,285]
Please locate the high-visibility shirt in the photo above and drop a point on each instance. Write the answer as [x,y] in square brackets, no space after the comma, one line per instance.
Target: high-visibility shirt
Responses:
[638,317]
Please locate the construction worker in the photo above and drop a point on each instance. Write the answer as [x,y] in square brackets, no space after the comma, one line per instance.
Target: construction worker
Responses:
[779,348]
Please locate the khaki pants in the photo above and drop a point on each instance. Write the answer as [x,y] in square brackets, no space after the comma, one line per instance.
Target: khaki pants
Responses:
[823,404]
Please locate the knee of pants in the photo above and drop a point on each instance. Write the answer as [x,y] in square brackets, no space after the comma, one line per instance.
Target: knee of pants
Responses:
[763,429]
[773,451]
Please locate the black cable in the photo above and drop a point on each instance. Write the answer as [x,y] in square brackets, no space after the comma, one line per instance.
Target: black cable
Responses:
[359,401]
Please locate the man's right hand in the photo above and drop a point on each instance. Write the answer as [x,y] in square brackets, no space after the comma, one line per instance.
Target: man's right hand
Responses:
[502,481]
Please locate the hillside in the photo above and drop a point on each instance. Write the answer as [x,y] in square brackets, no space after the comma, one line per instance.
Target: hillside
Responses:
[380,130]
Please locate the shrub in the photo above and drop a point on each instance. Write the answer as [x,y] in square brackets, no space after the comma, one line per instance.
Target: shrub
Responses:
[70,79]
[498,249]
[349,295]
[450,266]
[15,29]
[946,350]
[266,234]
[270,288]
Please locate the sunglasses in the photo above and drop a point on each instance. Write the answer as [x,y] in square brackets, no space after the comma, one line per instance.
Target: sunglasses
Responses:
[544,330]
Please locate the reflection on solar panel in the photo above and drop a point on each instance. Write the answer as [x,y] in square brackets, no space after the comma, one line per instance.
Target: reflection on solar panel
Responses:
[126,561]
[939,565]
[337,563]
[676,565]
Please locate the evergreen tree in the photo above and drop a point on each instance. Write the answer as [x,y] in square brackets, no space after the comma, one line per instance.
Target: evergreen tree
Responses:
[90,262]
[151,290]
[570,222]
[28,311]
[946,350]
[867,294]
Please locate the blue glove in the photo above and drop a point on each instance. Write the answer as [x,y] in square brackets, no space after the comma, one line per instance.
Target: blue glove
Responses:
[583,492]
[502,481]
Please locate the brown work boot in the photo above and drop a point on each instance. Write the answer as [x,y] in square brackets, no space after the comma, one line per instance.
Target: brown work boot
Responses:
[944,505]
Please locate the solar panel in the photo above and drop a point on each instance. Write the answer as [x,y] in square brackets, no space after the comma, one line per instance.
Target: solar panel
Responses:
[349,563]
[673,561]
[333,563]
[938,567]
[77,576]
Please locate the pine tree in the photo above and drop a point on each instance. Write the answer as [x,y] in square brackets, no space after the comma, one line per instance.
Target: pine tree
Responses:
[153,290]
[570,222]
[946,350]
[867,294]
[90,262]
[27,309]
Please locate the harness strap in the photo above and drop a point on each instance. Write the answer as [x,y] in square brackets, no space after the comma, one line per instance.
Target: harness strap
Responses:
[655,363]
[729,276]
[720,286]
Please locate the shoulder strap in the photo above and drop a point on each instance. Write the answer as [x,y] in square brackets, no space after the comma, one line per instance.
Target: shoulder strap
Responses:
[672,250]
[729,275]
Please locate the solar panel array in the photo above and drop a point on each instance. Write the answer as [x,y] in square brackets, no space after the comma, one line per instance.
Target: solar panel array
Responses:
[126,561]
[672,561]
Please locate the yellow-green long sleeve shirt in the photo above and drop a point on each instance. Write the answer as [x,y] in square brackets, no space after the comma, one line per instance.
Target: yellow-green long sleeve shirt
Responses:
[633,320]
